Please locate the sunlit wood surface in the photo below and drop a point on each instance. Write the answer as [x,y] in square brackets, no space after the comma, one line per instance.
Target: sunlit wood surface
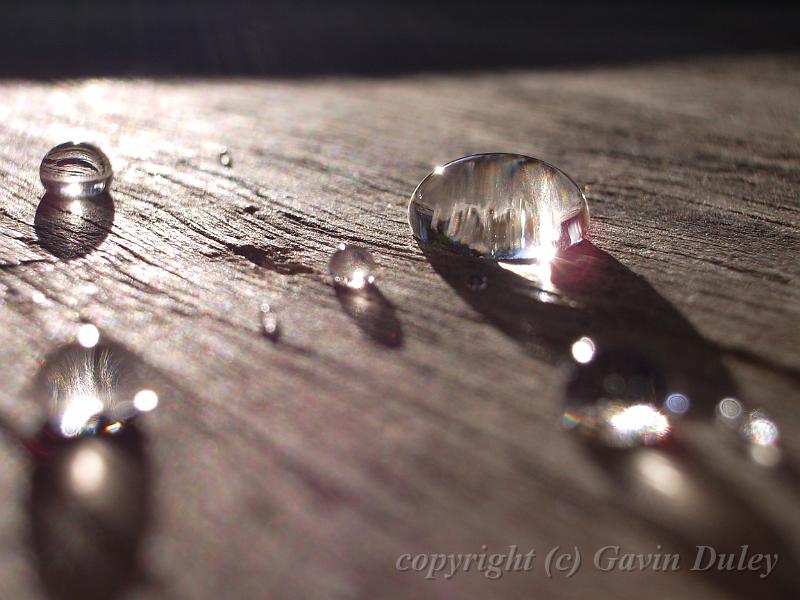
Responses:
[431,423]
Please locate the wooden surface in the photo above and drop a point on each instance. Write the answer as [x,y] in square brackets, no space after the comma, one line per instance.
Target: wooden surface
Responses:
[427,419]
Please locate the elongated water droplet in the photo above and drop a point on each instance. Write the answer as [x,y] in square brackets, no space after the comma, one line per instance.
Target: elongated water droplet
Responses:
[500,206]
[352,267]
[269,322]
[72,169]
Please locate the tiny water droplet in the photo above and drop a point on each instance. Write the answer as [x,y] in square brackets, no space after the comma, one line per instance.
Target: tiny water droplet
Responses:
[499,206]
[225,158]
[269,322]
[477,282]
[72,169]
[352,267]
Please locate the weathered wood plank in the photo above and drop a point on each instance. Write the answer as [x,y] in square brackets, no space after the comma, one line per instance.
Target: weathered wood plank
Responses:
[305,467]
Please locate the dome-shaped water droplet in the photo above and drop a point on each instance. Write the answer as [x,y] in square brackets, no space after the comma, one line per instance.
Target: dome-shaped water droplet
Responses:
[500,206]
[352,267]
[72,169]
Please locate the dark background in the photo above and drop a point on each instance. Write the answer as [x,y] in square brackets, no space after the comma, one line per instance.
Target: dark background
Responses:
[310,37]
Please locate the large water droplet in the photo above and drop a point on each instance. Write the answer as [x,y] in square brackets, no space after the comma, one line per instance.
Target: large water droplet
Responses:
[72,169]
[499,206]
[93,385]
[352,267]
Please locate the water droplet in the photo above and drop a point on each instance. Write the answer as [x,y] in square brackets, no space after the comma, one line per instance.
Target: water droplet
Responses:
[352,267]
[91,384]
[499,206]
[72,169]
[477,282]
[269,322]
[225,158]
[613,397]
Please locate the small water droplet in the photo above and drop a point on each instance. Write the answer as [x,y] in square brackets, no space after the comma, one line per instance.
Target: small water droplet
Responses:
[352,267]
[477,282]
[72,169]
[225,158]
[499,206]
[269,322]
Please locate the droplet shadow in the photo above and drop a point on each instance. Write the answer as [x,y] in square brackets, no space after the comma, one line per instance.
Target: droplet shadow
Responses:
[373,313]
[72,227]
[640,338]
[586,292]
[89,506]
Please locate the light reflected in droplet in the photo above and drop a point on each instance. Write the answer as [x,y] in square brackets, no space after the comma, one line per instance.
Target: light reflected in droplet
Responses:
[78,414]
[640,423]
[88,335]
[438,170]
[677,403]
[145,400]
[87,471]
[729,409]
[618,425]
[583,350]
[76,207]
[760,430]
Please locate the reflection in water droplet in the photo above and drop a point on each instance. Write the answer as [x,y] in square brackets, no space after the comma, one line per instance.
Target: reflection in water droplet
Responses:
[88,335]
[72,227]
[352,267]
[269,322]
[760,430]
[677,403]
[72,169]
[225,158]
[477,282]
[729,409]
[583,350]
[500,206]
[145,400]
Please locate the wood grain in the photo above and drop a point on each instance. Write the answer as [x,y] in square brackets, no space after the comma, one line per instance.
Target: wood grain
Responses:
[427,419]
